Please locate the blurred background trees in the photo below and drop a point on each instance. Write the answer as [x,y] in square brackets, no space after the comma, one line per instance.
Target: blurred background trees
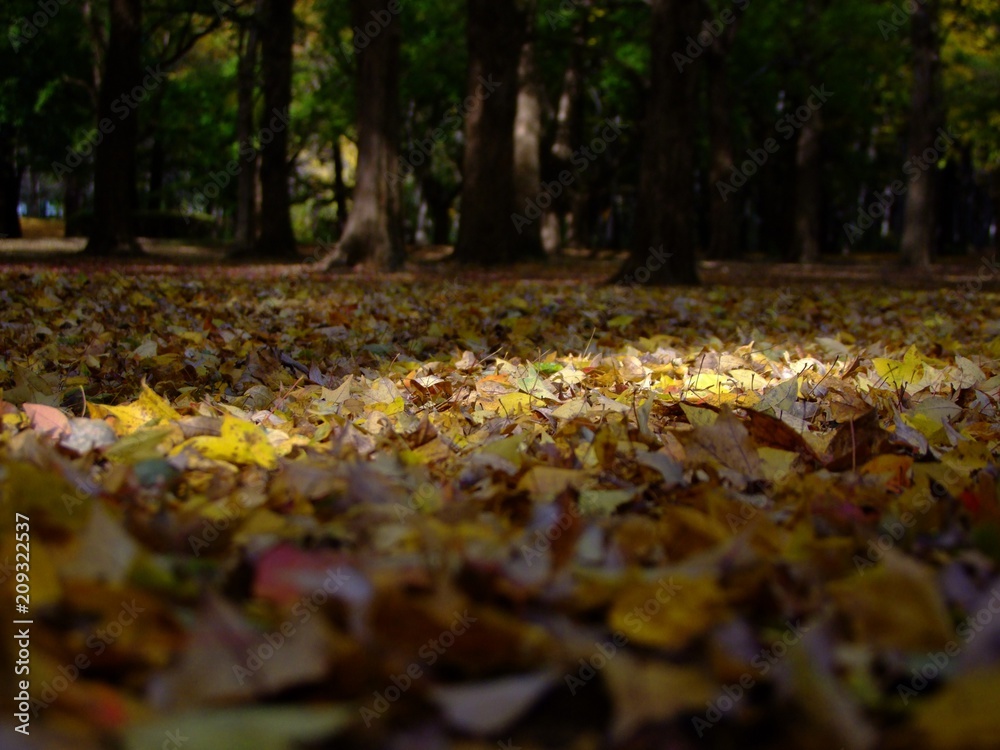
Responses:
[722,129]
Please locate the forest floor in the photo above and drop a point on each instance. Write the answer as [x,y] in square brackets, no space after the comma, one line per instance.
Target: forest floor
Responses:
[249,506]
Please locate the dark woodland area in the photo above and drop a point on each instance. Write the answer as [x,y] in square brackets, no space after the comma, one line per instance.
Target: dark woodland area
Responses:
[518,374]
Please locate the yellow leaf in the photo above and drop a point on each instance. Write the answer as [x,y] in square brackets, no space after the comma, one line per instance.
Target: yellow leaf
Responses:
[962,716]
[908,374]
[545,483]
[147,408]
[917,618]
[240,442]
[646,692]
[668,614]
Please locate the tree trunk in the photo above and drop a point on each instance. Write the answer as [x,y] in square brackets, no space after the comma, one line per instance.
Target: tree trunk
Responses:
[157,166]
[664,244]
[926,117]
[809,189]
[569,134]
[246,182]
[723,210]
[490,218]
[374,230]
[339,188]
[113,228]
[72,203]
[10,184]
[276,239]
[439,199]
[528,138]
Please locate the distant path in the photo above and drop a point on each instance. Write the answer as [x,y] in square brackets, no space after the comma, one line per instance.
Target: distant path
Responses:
[975,273]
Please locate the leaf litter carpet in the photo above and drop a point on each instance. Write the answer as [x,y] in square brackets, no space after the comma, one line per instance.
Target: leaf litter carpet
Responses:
[255,509]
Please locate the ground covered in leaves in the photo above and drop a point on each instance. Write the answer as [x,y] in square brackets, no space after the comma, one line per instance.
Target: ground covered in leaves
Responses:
[252,508]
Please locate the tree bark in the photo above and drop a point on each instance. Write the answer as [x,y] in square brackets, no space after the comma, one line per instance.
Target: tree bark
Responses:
[664,244]
[72,203]
[569,134]
[723,210]
[374,230]
[487,232]
[276,240]
[157,167]
[926,117]
[113,228]
[10,184]
[809,190]
[246,182]
[528,137]
[439,198]
[340,195]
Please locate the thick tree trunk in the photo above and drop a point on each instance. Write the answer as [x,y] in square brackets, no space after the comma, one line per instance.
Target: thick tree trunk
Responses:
[664,244]
[113,229]
[926,117]
[10,184]
[488,232]
[374,230]
[276,238]
[723,210]
[809,190]
[246,182]
[528,138]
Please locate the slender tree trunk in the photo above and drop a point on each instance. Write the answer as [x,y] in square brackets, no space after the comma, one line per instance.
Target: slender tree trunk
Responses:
[339,188]
[490,218]
[664,245]
[72,202]
[246,182]
[723,210]
[528,138]
[276,239]
[374,230]
[439,199]
[569,134]
[113,229]
[809,190]
[157,166]
[926,117]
